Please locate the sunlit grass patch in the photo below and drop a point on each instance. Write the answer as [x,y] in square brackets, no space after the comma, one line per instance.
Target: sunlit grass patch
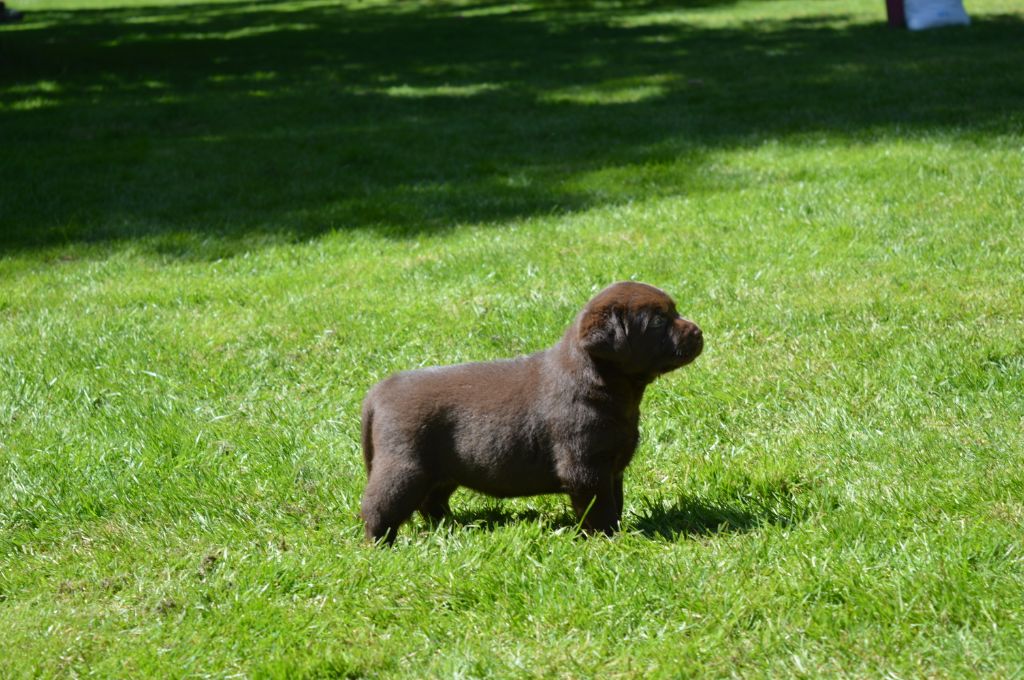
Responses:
[616,91]
[440,90]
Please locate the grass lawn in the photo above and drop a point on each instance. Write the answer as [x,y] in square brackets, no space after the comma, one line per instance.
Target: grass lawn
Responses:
[221,222]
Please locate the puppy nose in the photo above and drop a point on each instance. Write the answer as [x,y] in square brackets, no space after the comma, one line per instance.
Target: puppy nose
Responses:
[694,337]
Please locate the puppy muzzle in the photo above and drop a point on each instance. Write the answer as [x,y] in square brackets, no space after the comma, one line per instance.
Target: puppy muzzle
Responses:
[690,343]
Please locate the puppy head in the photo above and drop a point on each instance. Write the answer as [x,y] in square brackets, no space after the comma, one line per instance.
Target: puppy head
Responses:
[636,327]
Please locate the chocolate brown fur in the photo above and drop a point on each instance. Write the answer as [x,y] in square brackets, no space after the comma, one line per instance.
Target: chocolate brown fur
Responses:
[563,420]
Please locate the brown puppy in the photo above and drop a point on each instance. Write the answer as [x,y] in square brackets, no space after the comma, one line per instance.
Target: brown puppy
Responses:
[561,420]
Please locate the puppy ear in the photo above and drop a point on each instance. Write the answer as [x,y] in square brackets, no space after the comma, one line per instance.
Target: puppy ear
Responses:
[603,332]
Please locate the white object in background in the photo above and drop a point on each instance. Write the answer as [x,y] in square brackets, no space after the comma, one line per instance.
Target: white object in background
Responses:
[922,14]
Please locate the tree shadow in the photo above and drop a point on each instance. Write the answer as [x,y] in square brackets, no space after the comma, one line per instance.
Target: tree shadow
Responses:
[210,127]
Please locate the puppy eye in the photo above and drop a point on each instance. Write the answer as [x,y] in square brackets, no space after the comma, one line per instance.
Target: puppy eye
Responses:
[658,321]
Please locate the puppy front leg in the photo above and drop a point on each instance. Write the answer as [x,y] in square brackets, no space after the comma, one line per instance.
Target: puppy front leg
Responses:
[617,489]
[598,509]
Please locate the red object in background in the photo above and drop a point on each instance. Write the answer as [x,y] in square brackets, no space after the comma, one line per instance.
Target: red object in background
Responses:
[897,17]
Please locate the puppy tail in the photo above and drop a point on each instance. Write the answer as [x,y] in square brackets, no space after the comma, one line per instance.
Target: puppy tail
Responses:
[367,425]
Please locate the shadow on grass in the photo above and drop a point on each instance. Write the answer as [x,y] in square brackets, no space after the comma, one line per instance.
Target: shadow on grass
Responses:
[696,517]
[658,519]
[207,128]
[494,517]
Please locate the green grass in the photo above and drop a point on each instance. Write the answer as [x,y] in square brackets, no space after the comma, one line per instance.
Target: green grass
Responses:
[221,223]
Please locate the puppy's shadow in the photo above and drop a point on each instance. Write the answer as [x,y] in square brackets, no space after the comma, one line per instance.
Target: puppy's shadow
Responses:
[688,516]
[662,519]
[494,517]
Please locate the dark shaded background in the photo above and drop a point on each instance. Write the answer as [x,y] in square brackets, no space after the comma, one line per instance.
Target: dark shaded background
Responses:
[236,120]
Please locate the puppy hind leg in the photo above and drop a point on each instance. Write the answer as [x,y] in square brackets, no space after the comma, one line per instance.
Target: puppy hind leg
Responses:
[391,496]
[435,507]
